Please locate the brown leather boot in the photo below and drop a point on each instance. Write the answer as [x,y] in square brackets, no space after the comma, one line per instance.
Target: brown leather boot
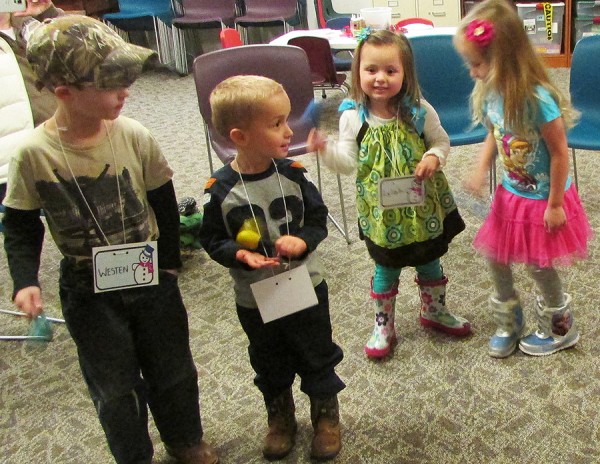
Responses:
[325,417]
[282,427]
[202,453]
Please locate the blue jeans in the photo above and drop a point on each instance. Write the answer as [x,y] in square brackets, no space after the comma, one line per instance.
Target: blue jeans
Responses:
[134,353]
[300,343]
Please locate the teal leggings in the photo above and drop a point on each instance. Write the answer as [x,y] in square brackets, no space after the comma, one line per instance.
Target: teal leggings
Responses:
[385,278]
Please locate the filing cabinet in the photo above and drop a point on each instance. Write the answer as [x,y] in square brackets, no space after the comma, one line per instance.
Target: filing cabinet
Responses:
[441,12]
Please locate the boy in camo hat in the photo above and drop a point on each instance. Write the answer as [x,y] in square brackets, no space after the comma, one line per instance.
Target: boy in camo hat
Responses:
[102,180]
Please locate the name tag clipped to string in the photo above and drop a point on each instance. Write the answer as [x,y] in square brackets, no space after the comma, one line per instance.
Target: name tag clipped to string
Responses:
[284,294]
[399,192]
[131,265]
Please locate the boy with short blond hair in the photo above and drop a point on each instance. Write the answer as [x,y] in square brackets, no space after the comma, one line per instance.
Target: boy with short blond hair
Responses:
[105,186]
[262,217]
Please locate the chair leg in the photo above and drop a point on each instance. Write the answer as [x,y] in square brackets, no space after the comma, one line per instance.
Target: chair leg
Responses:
[575,169]
[180,51]
[164,41]
[123,34]
[343,229]
[343,209]
[208,150]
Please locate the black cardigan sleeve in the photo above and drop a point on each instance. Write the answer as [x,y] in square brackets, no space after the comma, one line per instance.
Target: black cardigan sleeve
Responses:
[164,203]
[23,241]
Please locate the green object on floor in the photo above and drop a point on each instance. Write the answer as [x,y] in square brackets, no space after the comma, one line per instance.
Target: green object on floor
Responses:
[189,227]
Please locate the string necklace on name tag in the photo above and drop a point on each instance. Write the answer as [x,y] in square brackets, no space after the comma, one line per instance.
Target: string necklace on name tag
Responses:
[64,153]
[394,170]
[287,222]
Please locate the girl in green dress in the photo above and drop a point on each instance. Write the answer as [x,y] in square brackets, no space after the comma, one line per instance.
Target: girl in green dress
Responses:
[394,142]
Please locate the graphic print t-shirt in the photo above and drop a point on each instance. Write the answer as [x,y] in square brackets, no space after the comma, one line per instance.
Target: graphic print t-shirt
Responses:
[526,160]
[104,202]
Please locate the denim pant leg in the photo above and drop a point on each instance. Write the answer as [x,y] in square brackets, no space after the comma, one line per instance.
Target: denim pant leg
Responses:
[120,334]
[162,338]
[107,356]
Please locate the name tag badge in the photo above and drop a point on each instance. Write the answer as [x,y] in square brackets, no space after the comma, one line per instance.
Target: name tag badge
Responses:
[284,294]
[131,265]
[399,192]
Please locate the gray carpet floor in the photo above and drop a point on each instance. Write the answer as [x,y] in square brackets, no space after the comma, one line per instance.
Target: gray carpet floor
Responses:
[436,400]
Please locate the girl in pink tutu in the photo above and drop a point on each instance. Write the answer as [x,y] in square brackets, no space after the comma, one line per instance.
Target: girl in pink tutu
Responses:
[536,216]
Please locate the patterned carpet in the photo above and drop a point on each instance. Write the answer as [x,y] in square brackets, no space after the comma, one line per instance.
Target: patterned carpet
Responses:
[436,400]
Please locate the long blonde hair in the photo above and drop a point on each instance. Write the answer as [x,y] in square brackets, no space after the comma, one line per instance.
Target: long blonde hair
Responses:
[516,69]
[410,93]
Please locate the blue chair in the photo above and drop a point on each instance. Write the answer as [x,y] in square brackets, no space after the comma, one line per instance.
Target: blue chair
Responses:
[146,15]
[448,89]
[585,96]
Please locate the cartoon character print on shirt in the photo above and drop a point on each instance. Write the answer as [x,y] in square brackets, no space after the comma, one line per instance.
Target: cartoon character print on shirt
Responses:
[516,155]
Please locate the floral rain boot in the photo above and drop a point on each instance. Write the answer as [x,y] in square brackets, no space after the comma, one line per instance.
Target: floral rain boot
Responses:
[384,334]
[556,329]
[433,309]
[508,316]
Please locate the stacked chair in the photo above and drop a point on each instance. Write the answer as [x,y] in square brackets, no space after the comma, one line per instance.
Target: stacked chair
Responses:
[149,16]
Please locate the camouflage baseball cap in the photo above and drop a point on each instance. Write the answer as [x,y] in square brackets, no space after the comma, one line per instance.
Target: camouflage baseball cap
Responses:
[75,49]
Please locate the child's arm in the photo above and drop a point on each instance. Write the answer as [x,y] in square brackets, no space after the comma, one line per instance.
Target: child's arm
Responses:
[23,239]
[476,178]
[164,204]
[340,157]
[437,142]
[554,134]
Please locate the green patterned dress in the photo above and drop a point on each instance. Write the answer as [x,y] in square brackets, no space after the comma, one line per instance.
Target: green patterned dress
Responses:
[406,236]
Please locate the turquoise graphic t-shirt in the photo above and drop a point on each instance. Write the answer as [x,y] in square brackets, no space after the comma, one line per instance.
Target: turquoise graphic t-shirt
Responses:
[526,160]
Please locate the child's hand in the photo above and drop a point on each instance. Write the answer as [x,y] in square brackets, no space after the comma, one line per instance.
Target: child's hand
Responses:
[554,218]
[474,184]
[427,167]
[289,246]
[29,300]
[317,140]
[255,260]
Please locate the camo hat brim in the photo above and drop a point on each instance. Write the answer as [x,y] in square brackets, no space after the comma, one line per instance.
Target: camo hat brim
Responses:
[76,50]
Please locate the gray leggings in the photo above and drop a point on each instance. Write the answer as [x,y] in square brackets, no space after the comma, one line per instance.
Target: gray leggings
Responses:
[546,278]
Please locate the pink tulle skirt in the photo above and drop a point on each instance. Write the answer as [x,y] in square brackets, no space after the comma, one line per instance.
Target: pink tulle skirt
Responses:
[514,231]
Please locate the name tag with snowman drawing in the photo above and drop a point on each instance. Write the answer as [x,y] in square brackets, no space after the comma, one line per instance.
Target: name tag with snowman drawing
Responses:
[398,192]
[131,265]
